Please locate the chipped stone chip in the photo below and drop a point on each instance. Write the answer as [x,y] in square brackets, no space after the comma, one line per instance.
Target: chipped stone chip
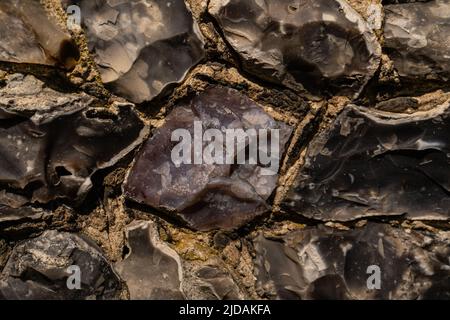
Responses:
[376,163]
[373,262]
[141,47]
[52,143]
[417,39]
[29,35]
[39,269]
[151,269]
[321,44]
[206,195]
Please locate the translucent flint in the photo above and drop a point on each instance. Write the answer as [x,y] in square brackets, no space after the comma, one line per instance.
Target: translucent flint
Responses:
[141,46]
[376,261]
[28,35]
[206,196]
[372,163]
[322,44]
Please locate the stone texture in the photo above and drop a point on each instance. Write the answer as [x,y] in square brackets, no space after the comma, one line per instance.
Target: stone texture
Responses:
[38,269]
[324,45]
[28,35]
[8,214]
[217,283]
[417,39]
[52,143]
[371,163]
[141,46]
[323,263]
[151,269]
[206,196]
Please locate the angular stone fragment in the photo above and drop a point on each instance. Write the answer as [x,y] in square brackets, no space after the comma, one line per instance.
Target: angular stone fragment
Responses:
[371,163]
[28,35]
[151,269]
[322,44]
[208,194]
[141,46]
[417,39]
[220,285]
[40,268]
[323,263]
[52,143]
[15,214]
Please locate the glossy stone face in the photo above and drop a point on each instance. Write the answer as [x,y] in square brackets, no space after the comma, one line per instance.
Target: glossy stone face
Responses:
[321,44]
[141,46]
[417,39]
[206,195]
[323,263]
[151,270]
[38,269]
[51,143]
[371,163]
[28,35]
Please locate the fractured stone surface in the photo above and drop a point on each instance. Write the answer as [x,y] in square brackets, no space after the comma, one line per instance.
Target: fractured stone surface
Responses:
[324,263]
[206,196]
[217,283]
[151,270]
[38,269]
[371,163]
[51,143]
[141,46]
[417,39]
[388,162]
[320,44]
[8,214]
[28,35]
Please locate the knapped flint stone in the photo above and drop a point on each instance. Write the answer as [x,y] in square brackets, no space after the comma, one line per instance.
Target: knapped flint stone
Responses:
[8,214]
[206,196]
[372,163]
[38,269]
[417,39]
[141,46]
[28,35]
[51,143]
[151,269]
[322,44]
[324,263]
[220,284]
